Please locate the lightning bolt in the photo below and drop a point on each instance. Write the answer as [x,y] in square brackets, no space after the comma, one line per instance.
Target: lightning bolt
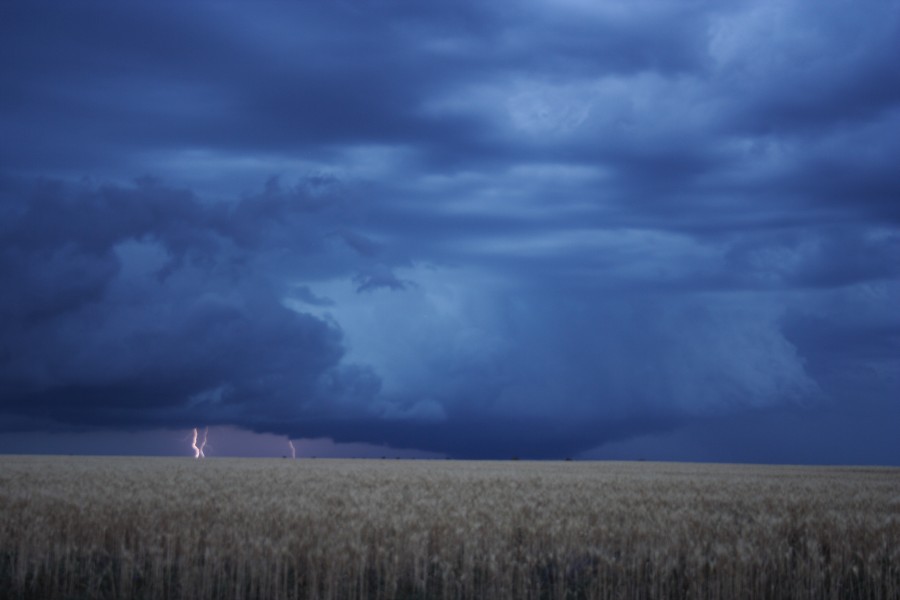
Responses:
[293,450]
[198,450]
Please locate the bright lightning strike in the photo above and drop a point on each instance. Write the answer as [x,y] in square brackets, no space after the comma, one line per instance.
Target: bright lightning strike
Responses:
[198,450]
[293,450]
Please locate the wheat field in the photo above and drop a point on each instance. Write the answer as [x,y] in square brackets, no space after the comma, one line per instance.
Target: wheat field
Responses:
[76,527]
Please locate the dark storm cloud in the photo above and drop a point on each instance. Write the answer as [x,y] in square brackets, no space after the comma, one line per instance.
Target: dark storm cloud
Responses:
[527,229]
[826,68]
[142,78]
[141,304]
[302,77]
[378,277]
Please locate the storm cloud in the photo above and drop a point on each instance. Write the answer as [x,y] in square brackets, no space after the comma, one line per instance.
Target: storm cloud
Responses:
[542,229]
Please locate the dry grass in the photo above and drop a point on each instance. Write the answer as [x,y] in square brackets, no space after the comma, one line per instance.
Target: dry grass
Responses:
[228,528]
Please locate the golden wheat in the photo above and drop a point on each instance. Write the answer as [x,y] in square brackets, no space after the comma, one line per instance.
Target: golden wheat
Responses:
[237,528]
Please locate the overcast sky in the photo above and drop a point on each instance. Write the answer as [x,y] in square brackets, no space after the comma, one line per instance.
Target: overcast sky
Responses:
[641,229]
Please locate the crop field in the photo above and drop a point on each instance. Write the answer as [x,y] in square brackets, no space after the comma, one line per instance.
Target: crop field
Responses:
[76,527]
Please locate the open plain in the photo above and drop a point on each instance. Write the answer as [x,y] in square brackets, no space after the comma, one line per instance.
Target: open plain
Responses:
[79,527]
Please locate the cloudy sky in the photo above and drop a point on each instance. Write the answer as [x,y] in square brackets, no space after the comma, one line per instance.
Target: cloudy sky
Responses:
[642,229]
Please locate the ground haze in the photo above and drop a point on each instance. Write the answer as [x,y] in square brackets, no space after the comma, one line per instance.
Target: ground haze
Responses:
[76,527]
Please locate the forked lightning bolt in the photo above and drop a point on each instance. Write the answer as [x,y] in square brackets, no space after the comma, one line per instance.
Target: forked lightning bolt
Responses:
[198,450]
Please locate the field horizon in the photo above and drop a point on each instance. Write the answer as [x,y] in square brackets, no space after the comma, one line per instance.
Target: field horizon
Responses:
[512,460]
